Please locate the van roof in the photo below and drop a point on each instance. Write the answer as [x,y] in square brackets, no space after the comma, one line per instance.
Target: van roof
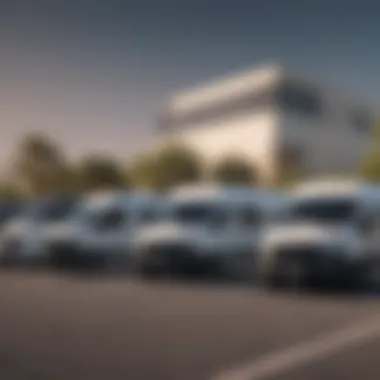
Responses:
[204,192]
[335,188]
[117,197]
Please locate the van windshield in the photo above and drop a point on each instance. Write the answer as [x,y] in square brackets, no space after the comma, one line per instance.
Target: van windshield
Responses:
[54,210]
[323,210]
[9,210]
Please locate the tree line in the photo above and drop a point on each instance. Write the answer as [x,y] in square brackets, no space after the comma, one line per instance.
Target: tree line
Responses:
[40,167]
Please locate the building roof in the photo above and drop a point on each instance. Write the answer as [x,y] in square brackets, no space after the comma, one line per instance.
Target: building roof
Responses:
[223,88]
[243,83]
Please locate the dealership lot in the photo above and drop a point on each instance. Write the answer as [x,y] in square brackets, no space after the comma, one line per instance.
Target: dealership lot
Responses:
[70,327]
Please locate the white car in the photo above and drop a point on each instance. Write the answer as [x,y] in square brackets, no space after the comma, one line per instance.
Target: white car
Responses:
[211,230]
[102,231]
[330,236]
[23,238]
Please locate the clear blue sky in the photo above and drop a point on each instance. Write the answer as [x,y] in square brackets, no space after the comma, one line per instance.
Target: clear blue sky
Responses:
[93,73]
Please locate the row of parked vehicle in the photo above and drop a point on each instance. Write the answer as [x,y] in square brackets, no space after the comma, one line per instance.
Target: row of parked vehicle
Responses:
[322,232]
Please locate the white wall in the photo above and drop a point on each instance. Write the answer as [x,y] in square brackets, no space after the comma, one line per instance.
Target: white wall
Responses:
[252,135]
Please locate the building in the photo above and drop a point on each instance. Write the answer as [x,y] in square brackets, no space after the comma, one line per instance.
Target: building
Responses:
[273,117]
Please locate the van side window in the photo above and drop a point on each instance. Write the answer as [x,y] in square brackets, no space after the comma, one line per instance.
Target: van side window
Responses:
[249,217]
[219,219]
[110,219]
[148,215]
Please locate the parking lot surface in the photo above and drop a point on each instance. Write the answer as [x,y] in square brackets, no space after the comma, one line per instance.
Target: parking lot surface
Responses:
[66,327]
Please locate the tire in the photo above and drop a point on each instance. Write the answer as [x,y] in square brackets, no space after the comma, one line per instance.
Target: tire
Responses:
[239,268]
[10,260]
[184,266]
[118,264]
[146,266]
[149,272]
[285,272]
[91,263]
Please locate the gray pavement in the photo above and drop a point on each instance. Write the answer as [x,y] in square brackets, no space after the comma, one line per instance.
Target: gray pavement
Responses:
[61,327]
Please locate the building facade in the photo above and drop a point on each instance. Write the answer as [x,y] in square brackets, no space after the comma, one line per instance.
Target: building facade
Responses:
[275,118]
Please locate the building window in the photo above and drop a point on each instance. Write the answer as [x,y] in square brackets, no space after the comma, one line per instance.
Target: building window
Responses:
[361,121]
[299,99]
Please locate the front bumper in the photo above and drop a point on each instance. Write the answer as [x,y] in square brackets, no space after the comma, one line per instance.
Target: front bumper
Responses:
[16,252]
[71,256]
[173,259]
[324,266]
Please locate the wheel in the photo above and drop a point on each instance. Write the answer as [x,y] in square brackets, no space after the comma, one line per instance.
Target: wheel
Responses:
[293,273]
[149,267]
[89,262]
[154,266]
[285,272]
[151,272]
[240,267]
[10,259]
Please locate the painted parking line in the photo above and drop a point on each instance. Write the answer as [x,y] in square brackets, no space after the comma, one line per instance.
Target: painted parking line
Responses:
[280,361]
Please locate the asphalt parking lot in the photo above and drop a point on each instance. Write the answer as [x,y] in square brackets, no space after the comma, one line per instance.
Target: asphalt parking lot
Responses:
[63,327]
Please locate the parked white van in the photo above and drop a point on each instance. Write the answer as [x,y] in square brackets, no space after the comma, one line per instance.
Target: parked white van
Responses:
[211,230]
[23,237]
[329,236]
[101,232]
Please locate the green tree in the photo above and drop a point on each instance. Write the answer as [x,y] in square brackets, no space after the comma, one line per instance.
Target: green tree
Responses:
[143,172]
[40,166]
[370,168]
[173,165]
[234,170]
[290,177]
[100,172]
[176,165]
[8,191]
